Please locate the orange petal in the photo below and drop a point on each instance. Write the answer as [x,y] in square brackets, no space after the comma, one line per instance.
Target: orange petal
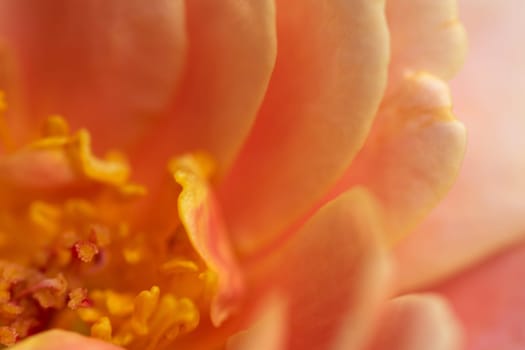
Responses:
[267,330]
[199,214]
[413,154]
[110,66]
[425,35]
[62,340]
[484,211]
[333,273]
[328,79]
[490,302]
[416,322]
[231,54]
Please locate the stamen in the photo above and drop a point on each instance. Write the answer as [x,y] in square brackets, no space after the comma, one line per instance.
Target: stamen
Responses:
[78,298]
[144,306]
[71,218]
[86,250]
[102,329]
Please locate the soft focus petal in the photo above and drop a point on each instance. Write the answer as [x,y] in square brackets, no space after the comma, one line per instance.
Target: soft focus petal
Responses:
[333,272]
[425,35]
[328,79]
[268,329]
[231,54]
[416,322]
[484,211]
[413,153]
[10,99]
[490,302]
[61,340]
[110,66]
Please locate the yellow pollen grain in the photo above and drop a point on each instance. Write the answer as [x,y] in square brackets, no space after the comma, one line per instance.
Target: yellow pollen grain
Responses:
[86,250]
[77,298]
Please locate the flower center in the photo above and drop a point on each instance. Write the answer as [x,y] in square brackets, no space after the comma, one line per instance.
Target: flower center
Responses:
[79,253]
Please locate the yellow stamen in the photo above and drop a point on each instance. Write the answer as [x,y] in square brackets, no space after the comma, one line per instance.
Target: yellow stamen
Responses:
[81,258]
[102,329]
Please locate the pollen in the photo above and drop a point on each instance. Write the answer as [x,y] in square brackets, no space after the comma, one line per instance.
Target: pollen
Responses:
[80,254]
[86,250]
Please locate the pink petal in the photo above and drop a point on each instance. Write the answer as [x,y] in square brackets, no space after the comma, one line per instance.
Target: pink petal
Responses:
[417,322]
[267,330]
[329,77]
[333,273]
[484,211]
[425,36]
[62,340]
[412,155]
[490,302]
[110,66]
[231,55]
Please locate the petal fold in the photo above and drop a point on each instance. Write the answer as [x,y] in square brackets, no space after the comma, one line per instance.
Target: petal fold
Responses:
[328,80]
[416,322]
[483,213]
[202,221]
[425,35]
[62,340]
[413,154]
[490,302]
[267,330]
[231,55]
[333,273]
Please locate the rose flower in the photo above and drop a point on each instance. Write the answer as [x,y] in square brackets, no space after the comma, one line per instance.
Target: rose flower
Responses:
[221,174]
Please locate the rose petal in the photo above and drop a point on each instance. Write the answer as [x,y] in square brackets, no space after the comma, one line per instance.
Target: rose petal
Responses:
[412,155]
[267,330]
[425,35]
[231,54]
[416,322]
[484,211]
[201,219]
[490,302]
[333,273]
[328,79]
[109,66]
[62,340]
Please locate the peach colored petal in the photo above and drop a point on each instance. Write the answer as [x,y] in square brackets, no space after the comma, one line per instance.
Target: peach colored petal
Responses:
[9,99]
[328,79]
[333,274]
[267,330]
[413,153]
[417,322]
[484,211]
[110,66]
[201,219]
[490,302]
[62,340]
[425,35]
[231,54]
